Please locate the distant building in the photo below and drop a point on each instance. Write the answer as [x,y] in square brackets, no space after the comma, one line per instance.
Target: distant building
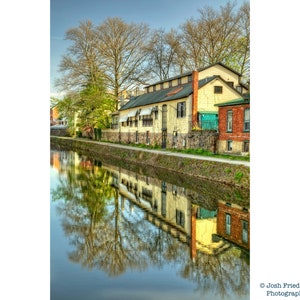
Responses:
[54,117]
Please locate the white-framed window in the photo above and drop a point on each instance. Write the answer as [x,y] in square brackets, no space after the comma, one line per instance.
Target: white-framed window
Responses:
[245,226]
[229,121]
[228,224]
[247,119]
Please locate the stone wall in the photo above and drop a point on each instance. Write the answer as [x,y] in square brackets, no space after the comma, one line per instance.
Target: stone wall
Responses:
[205,139]
[232,174]
[59,132]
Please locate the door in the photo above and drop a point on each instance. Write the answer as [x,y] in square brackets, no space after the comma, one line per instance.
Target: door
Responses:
[164,127]
[164,139]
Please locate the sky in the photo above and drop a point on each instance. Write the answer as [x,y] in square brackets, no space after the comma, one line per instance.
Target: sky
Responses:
[166,14]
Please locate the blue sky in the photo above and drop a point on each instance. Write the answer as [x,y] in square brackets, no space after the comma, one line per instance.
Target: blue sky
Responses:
[167,14]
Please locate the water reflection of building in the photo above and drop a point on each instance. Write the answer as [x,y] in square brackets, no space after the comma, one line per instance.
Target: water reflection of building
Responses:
[204,232]
[234,223]
[60,160]
[168,207]
[210,230]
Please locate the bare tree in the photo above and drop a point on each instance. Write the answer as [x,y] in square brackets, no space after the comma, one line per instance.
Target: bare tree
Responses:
[220,31]
[193,38]
[221,35]
[123,54]
[162,50]
[244,41]
[80,65]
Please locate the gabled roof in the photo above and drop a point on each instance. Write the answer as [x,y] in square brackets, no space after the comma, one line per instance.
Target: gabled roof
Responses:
[166,94]
[219,63]
[190,73]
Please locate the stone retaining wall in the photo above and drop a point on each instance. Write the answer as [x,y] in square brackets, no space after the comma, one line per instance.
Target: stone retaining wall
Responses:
[205,139]
[59,132]
[236,175]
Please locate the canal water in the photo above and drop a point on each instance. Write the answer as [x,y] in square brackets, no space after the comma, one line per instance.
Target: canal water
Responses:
[132,234]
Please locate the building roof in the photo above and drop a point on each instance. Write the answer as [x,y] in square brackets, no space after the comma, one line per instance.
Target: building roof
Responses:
[172,93]
[190,73]
[239,101]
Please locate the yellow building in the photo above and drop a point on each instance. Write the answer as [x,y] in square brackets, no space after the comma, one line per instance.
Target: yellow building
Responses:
[170,110]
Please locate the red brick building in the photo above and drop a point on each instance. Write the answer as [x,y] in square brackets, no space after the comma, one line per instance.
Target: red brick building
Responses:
[234,126]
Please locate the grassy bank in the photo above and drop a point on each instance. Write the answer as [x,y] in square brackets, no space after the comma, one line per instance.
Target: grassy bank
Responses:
[232,174]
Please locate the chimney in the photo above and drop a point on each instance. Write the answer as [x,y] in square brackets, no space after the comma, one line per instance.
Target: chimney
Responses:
[195,98]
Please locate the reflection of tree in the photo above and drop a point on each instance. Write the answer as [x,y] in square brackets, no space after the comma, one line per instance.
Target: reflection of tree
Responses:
[223,274]
[108,234]
[85,194]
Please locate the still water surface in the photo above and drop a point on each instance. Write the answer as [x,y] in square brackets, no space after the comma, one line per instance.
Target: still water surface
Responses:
[120,234]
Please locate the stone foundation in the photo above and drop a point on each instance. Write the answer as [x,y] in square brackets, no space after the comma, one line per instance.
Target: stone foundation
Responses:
[204,139]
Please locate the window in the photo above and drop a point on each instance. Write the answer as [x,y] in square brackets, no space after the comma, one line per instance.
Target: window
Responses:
[164,186]
[229,121]
[163,204]
[179,218]
[190,78]
[230,83]
[245,231]
[155,110]
[174,190]
[228,224]
[181,109]
[246,146]
[229,145]
[174,143]
[218,89]
[147,121]
[247,119]
[239,88]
